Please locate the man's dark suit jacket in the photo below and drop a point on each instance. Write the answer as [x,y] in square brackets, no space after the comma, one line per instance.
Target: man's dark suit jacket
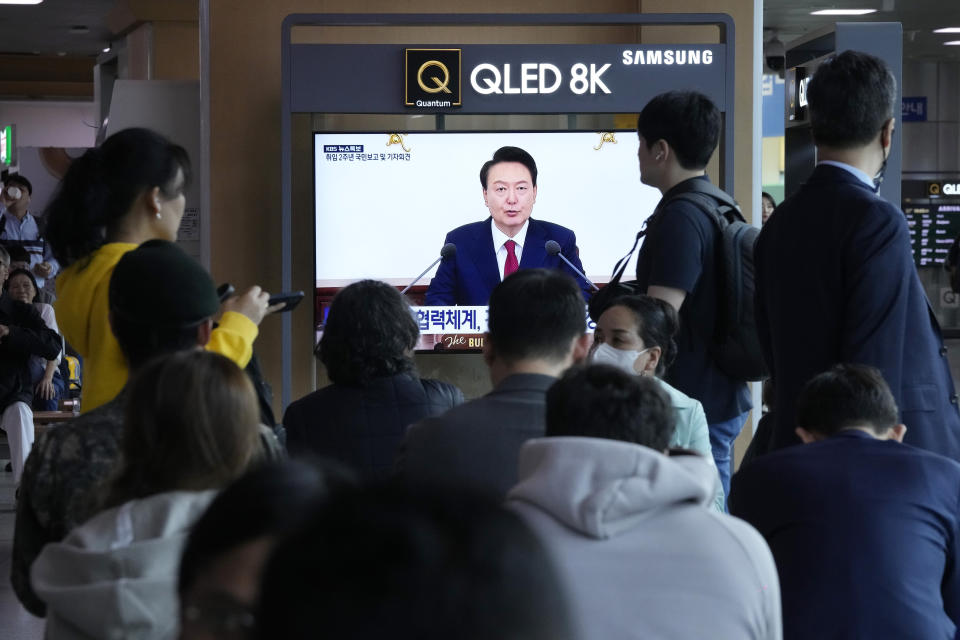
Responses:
[477,445]
[864,534]
[836,283]
[469,278]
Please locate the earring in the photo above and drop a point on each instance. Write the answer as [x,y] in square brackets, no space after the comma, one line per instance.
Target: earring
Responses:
[659,156]
[158,215]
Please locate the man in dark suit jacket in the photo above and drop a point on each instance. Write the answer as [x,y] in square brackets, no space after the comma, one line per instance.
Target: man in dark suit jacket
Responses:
[537,329]
[865,531]
[508,240]
[836,280]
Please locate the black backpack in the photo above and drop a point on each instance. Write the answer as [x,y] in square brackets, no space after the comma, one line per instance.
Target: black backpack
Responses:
[735,346]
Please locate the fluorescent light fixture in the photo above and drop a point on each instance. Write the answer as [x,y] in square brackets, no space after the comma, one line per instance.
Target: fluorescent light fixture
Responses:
[953,42]
[842,12]
[947,30]
[20,1]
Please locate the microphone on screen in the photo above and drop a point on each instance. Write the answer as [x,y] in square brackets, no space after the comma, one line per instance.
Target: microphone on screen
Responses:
[553,249]
[448,252]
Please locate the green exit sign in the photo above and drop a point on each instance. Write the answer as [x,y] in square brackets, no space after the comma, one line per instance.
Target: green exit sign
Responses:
[6,144]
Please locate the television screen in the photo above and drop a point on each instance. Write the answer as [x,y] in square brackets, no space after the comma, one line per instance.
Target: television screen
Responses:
[386,201]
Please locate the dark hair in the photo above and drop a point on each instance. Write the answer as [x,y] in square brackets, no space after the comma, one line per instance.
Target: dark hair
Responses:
[848,395]
[535,313]
[657,324]
[687,120]
[851,96]
[101,185]
[601,401]
[509,154]
[437,564]
[271,500]
[22,272]
[764,194]
[16,178]
[18,253]
[191,423]
[369,333]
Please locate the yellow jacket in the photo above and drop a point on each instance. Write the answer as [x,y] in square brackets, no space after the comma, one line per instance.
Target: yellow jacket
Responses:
[82,308]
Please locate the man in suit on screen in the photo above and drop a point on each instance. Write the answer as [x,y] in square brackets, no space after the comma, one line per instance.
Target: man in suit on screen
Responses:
[505,242]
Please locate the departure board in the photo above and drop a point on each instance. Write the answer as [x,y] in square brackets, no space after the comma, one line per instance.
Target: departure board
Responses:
[932,209]
[934,224]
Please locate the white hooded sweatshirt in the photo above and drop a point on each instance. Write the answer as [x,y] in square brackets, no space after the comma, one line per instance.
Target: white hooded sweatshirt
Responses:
[115,575]
[640,551]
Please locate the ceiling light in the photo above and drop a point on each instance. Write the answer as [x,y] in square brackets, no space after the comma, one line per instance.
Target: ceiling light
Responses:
[842,12]
[948,30]
[953,42]
[106,49]
[20,1]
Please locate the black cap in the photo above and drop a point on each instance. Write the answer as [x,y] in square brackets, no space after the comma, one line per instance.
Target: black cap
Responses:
[158,285]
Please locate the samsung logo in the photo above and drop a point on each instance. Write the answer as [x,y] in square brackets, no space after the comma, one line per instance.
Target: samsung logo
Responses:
[668,57]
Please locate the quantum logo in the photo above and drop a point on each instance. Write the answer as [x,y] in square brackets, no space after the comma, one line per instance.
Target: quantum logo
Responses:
[432,78]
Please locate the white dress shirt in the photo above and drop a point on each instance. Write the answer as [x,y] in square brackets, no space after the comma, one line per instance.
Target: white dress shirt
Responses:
[500,244]
[857,173]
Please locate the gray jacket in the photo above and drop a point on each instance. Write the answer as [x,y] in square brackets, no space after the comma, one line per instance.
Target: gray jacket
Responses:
[639,550]
[476,445]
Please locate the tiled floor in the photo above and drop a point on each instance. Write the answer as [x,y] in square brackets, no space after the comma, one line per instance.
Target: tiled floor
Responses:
[15,622]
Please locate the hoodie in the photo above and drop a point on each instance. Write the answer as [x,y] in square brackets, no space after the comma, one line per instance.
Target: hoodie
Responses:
[82,308]
[115,575]
[640,551]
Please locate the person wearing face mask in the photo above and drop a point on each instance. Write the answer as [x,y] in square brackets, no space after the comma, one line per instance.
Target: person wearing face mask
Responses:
[835,276]
[636,334]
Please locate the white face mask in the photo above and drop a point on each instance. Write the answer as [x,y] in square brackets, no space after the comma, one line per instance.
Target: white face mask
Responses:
[620,358]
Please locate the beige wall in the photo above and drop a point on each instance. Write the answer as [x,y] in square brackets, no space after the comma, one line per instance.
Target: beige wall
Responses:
[245,140]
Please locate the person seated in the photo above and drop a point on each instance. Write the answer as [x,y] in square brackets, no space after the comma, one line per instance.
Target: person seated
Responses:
[636,334]
[161,301]
[191,426]
[19,229]
[367,348]
[23,335]
[537,329]
[48,385]
[640,551]
[219,580]
[489,251]
[20,259]
[382,562]
[865,530]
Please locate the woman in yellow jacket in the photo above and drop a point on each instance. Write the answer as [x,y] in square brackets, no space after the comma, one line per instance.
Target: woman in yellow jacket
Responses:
[113,198]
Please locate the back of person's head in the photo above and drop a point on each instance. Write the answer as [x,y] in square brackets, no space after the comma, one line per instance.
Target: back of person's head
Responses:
[509,154]
[102,185]
[158,298]
[851,96]
[18,254]
[601,401]
[17,180]
[369,333]
[687,121]
[431,566]
[848,395]
[535,314]
[191,423]
[224,555]
[657,325]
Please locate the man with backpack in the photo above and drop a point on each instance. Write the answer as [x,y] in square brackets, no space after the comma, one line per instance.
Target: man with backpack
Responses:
[836,281]
[679,261]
